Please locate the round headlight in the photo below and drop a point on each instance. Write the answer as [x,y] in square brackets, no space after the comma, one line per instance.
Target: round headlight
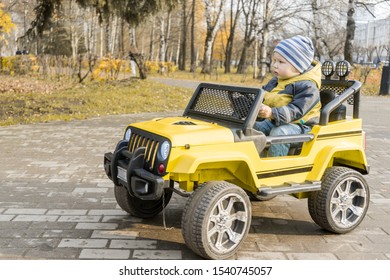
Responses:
[164,150]
[127,134]
[327,68]
[343,68]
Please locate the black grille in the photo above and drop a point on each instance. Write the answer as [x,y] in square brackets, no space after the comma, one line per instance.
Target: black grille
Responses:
[338,90]
[151,142]
[219,102]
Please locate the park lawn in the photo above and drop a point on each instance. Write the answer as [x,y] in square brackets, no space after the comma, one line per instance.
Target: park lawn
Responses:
[29,100]
[26,99]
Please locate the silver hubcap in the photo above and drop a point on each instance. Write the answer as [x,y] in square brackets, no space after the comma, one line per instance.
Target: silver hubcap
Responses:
[349,200]
[227,223]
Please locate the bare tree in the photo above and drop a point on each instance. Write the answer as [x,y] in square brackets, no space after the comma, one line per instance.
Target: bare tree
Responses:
[233,20]
[162,41]
[183,37]
[213,14]
[250,10]
[320,16]
[275,14]
[351,26]
[193,55]
[151,40]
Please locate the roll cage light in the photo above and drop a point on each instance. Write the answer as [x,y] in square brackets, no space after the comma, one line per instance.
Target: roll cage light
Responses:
[342,69]
[328,68]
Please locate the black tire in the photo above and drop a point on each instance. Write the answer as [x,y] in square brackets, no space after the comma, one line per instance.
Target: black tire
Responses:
[257,197]
[216,220]
[342,203]
[138,207]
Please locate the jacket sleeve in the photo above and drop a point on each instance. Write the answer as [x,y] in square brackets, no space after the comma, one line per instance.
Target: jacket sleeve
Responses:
[305,96]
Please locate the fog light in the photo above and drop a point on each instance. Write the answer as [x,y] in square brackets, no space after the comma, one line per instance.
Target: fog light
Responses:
[161,168]
[328,68]
[343,68]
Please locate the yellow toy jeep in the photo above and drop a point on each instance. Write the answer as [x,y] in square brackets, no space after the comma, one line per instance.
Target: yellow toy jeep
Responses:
[213,155]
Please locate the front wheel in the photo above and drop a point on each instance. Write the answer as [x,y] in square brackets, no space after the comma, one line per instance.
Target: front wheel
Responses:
[342,203]
[138,207]
[216,220]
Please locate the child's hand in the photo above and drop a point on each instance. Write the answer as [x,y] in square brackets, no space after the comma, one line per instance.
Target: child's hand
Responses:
[265,112]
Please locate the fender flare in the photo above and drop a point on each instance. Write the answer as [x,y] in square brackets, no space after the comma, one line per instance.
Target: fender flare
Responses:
[349,155]
[189,163]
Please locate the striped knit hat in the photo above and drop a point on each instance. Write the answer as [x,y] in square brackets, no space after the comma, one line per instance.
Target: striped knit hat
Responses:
[298,50]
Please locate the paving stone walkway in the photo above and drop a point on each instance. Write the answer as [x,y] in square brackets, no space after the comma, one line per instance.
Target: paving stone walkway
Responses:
[56,202]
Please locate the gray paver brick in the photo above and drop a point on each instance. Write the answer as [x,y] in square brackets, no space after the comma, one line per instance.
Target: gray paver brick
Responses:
[67,212]
[83,218]
[48,244]
[28,211]
[157,254]
[90,190]
[115,234]
[5,218]
[56,253]
[121,218]
[108,212]
[49,197]
[35,218]
[134,244]
[381,201]
[12,253]
[72,233]
[359,256]
[245,255]
[311,256]
[99,254]
[83,243]
[96,226]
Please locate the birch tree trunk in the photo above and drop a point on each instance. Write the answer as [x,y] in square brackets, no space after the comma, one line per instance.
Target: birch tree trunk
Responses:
[351,26]
[264,41]
[251,13]
[232,32]
[213,21]
[168,33]
[319,46]
[193,54]
[183,37]
[161,53]
[152,34]
[114,35]
[107,36]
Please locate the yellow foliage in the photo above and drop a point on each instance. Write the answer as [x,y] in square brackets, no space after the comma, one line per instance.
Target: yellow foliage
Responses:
[19,64]
[160,67]
[108,68]
[6,24]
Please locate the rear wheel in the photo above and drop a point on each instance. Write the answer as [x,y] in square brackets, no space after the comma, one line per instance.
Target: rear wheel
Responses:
[216,220]
[342,203]
[138,207]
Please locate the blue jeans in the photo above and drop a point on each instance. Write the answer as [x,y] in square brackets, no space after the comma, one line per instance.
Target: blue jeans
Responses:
[270,129]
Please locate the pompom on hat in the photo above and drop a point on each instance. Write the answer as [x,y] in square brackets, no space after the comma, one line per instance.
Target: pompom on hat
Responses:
[298,50]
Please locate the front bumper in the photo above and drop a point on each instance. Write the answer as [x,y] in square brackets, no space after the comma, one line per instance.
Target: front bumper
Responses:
[127,169]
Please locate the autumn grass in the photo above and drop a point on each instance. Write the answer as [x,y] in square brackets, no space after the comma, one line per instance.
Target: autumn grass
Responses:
[26,100]
[370,87]
[218,76]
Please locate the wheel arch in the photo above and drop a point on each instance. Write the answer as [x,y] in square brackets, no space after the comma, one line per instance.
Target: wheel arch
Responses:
[234,167]
[347,156]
